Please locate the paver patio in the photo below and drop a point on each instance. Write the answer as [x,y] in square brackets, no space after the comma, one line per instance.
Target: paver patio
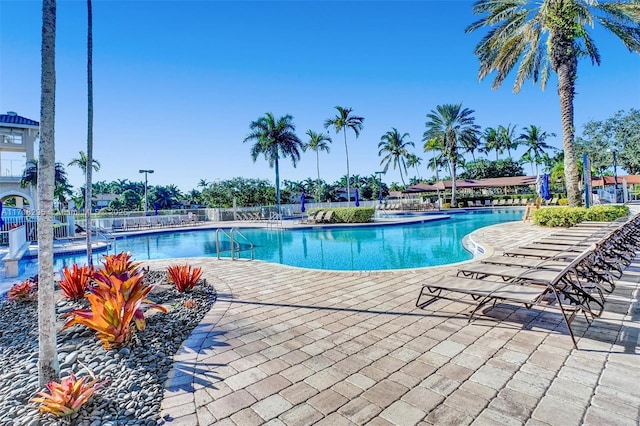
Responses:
[292,346]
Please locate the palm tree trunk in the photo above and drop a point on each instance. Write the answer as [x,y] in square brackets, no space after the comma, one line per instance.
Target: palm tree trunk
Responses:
[566,90]
[318,181]
[48,368]
[453,183]
[344,130]
[89,166]
[277,186]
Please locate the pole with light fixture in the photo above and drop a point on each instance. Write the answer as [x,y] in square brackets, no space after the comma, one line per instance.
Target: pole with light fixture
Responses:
[614,151]
[146,172]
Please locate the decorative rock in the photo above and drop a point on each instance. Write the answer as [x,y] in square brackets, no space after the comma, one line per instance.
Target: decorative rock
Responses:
[136,373]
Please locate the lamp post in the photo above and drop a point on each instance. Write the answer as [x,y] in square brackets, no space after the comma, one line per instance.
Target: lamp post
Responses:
[380,185]
[146,172]
[614,151]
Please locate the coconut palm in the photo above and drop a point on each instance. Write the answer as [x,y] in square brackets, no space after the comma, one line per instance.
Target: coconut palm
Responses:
[88,170]
[507,138]
[274,139]
[534,139]
[317,142]
[30,177]
[82,162]
[450,126]
[343,121]
[203,183]
[48,367]
[414,161]
[550,35]
[491,142]
[393,144]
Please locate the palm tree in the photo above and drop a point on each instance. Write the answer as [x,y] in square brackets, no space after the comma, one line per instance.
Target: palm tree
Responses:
[342,121]
[30,177]
[274,139]
[414,161]
[395,147]
[83,161]
[89,158]
[491,142]
[507,139]
[317,142]
[203,183]
[534,139]
[550,35]
[48,367]
[450,125]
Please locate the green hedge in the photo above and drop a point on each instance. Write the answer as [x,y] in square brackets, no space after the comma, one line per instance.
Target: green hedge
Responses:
[350,214]
[569,216]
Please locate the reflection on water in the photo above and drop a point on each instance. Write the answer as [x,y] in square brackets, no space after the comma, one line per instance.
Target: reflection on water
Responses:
[357,248]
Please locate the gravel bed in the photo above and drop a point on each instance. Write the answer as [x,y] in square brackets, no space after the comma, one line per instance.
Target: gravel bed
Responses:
[136,374]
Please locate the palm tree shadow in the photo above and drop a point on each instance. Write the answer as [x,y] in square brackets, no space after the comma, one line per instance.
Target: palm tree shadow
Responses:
[188,374]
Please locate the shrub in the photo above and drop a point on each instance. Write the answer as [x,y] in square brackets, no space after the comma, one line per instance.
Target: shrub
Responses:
[116,300]
[563,201]
[66,397]
[446,205]
[569,216]
[25,291]
[75,282]
[353,215]
[184,276]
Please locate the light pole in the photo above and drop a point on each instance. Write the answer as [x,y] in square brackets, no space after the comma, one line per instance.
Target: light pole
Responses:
[380,185]
[614,151]
[146,172]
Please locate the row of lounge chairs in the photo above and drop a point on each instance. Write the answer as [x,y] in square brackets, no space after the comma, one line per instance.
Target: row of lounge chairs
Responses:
[507,202]
[322,216]
[146,222]
[572,271]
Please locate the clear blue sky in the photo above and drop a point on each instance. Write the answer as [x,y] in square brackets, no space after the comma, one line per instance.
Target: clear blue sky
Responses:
[176,83]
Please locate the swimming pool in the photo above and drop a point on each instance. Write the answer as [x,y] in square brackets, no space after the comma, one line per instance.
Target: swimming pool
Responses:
[369,248]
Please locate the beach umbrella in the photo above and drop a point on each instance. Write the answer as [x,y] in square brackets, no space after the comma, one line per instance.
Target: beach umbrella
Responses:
[544,187]
[1,221]
[539,185]
[380,197]
[155,207]
[302,200]
[357,198]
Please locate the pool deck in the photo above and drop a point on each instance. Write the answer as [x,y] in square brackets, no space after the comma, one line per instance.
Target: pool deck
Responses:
[292,346]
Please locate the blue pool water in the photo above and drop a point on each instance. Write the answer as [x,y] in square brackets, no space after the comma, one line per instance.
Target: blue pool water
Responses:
[352,248]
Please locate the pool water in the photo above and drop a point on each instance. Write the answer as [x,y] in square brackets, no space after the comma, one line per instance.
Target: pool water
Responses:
[335,248]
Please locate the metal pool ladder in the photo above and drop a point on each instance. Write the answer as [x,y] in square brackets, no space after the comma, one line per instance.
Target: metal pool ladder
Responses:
[234,244]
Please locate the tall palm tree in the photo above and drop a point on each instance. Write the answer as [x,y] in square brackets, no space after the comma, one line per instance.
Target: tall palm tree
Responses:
[317,142]
[450,125]
[90,163]
[48,367]
[274,139]
[203,183]
[394,145]
[534,139]
[507,138]
[491,142]
[550,35]
[414,161]
[342,121]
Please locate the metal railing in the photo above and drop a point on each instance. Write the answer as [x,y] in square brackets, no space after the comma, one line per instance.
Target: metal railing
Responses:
[234,245]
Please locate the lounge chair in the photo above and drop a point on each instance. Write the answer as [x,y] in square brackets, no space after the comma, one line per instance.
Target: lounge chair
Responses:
[318,217]
[328,217]
[470,203]
[117,225]
[478,203]
[509,202]
[502,202]
[310,218]
[488,203]
[484,291]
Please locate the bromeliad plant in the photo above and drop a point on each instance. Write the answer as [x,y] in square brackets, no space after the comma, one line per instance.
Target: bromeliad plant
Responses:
[25,291]
[66,397]
[116,302]
[75,282]
[119,264]
[185,277]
